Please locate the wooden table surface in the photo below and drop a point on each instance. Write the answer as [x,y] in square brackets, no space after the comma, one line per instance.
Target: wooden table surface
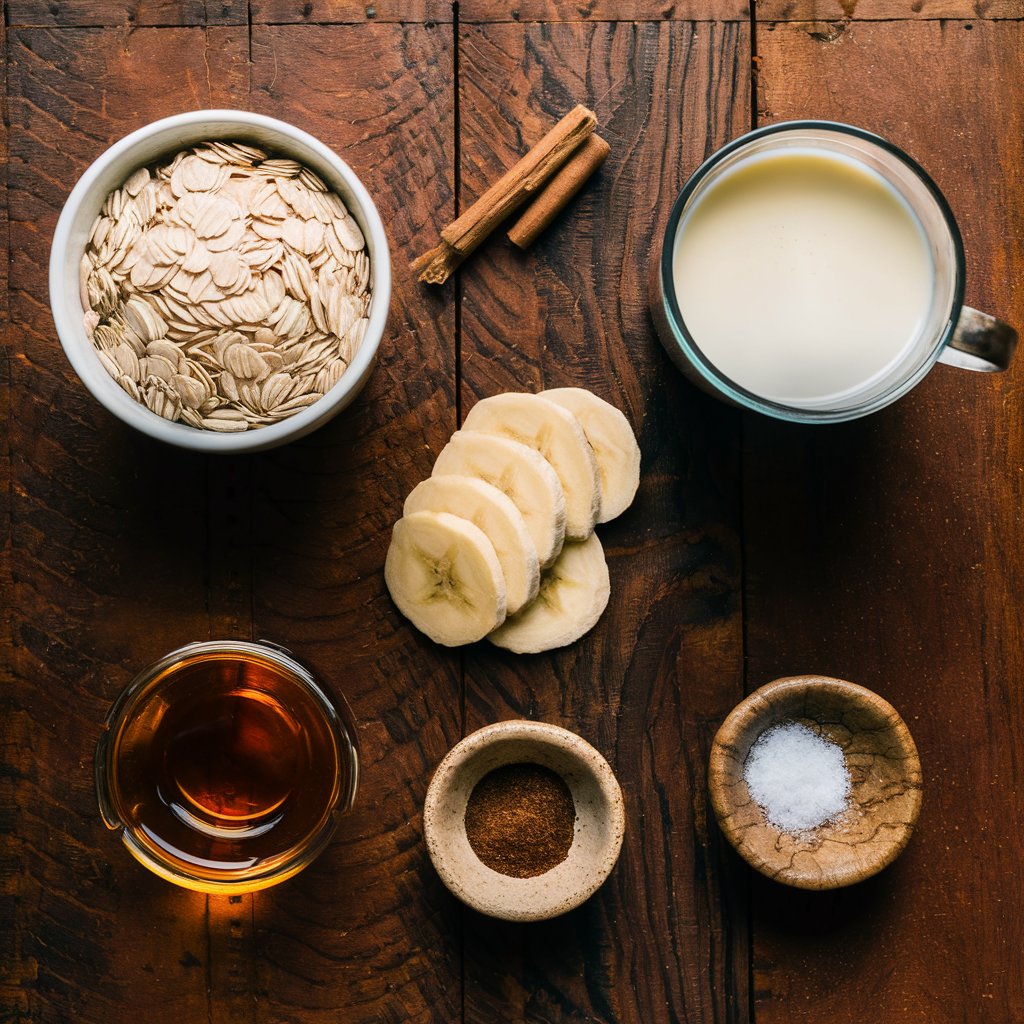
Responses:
[889,551]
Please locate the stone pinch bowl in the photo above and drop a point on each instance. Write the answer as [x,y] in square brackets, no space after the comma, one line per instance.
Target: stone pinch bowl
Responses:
[600,821]
[885,777]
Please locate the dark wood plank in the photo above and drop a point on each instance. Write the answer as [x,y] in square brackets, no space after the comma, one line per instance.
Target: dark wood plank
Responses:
[142,13]
[110,567]
[329,12]
[472,11]
[14,737]
[347,12]
[5,156]
[367,933]
[886,10]
[665,939]
[888,551]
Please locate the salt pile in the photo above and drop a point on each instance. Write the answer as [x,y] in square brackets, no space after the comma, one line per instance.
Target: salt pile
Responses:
[799,779]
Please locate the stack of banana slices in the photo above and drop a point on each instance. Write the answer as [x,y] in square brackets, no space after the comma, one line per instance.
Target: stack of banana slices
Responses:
[499,542]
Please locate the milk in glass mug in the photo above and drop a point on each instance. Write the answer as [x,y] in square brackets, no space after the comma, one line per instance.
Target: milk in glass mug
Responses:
[813,272]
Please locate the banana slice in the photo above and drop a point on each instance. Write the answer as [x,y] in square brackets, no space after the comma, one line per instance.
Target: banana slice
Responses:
[521,474]
[573,594]
[614,444]
[445,577]
[495,513]
[558,436]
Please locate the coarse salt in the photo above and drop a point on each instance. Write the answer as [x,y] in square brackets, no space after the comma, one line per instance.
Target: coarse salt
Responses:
[799,779]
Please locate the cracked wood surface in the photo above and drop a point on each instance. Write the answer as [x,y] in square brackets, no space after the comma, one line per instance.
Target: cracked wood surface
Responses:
[885,551]
[572,311]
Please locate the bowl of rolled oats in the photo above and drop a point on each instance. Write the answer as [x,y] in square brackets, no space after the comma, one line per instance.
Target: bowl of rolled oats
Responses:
[220,281]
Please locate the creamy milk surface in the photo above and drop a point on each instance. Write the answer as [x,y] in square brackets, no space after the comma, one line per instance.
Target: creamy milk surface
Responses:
[802,275]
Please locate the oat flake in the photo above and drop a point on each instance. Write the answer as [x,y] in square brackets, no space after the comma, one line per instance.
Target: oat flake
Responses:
[224,288]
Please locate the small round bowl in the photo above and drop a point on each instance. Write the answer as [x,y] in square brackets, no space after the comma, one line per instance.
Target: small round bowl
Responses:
[600,821]
[164,138]
[885,778]
[225,766]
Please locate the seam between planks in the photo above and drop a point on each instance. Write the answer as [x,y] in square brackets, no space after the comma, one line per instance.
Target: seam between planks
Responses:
[748,909]
[458,293]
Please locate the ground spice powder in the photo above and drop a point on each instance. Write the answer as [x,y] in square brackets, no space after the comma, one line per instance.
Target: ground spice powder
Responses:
[520,820]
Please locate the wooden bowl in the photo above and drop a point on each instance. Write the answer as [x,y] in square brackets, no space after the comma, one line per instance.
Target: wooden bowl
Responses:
[598,831]
[885,777]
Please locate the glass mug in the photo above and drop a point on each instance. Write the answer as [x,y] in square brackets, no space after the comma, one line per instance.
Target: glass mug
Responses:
[225,766]
[813,272]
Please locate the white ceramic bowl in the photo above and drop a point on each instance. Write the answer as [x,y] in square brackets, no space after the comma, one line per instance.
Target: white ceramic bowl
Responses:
[164,138]
[597,840]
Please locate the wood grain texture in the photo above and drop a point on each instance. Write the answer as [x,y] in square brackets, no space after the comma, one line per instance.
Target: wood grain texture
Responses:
[841,11]
[888,551]
[14,737]
[665,938]
[343,936]
[366,934]
[329,12]
[138,14]
[347,12]
[94,599]
[522,11]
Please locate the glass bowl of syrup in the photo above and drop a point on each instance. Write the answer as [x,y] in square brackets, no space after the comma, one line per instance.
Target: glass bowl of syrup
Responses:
[225,766]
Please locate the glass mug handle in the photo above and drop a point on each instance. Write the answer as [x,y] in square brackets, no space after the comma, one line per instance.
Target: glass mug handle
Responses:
[980,342]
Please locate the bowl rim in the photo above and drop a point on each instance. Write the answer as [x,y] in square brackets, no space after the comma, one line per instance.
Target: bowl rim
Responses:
[79,349]
[752,708]
[513,906]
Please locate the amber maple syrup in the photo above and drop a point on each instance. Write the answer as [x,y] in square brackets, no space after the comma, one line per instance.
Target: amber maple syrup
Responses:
[226,766]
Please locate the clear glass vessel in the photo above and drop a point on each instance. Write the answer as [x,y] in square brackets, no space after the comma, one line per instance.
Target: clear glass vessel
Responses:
[952,332]
[225,766]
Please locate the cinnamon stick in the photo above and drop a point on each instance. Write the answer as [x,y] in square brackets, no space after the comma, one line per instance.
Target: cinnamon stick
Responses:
[558,191]
[506,195]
